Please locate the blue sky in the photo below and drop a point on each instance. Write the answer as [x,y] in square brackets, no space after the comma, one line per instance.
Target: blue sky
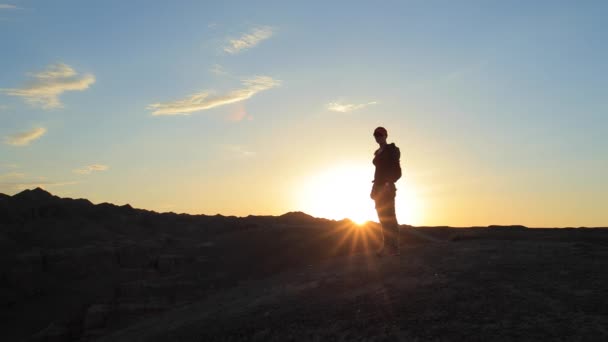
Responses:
[499,108]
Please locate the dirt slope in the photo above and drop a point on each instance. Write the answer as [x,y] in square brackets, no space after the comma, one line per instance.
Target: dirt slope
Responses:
[466,290]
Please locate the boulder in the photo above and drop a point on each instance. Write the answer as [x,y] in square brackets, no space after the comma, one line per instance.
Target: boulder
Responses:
[80,262]
[54,332]
[8,298]
[136,255]
[96,317]
[7,245]
[169,262]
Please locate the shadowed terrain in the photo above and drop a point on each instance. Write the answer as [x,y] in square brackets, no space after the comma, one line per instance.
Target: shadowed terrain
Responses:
[74,271]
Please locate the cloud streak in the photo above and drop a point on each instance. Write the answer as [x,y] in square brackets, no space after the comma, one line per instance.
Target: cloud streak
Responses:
[248,40]
[12,175]
[206,100]
[87,170]
[240,151]
[7,6]
[345,108]
[218,70]
[19,186]
[25,138]
[47,86]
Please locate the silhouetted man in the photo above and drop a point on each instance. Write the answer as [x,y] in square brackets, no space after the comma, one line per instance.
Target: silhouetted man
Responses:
[388,171]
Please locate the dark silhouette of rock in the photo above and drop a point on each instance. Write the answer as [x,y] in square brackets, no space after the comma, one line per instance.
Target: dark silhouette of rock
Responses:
[34,196]
[73,270]
[297,217]
[507,227]
[53,332]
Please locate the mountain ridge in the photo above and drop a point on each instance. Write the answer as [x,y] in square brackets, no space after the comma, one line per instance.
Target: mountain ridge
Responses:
[38,196]
[37,201]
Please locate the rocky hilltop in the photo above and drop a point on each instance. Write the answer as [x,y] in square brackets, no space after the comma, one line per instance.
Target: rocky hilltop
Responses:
[71,270]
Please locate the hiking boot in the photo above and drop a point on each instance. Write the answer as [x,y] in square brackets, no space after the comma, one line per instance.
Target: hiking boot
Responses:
[393,252]
[387,252]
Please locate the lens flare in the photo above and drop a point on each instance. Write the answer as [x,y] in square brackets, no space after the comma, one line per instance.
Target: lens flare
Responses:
[342,191]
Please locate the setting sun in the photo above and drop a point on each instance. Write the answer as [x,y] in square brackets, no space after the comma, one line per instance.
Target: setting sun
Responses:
[342,191]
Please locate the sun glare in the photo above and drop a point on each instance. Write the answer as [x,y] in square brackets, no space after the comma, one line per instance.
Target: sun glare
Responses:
[342,191]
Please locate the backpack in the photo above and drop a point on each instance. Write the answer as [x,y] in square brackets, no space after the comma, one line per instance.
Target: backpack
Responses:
[396,172]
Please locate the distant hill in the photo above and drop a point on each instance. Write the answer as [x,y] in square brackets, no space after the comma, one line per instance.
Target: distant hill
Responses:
[40,204]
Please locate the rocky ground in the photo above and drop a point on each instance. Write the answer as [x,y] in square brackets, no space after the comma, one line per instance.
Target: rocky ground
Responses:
[74,271]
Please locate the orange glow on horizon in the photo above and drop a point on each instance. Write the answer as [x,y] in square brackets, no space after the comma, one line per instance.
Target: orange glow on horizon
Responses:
[342,191]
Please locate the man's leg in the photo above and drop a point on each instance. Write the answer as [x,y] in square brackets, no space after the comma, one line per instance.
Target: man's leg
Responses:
[390,228]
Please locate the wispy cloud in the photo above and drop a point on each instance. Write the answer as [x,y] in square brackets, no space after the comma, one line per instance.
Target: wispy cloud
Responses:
[217,69]
[91,168]
[24,138]
[239,115]
[3,107]
[240,151]
[9,165]
[19,186]
[8,6]
[205,100]
[12,175]
[47,86]
[451,78]
[464,71]
[347,107]
[249,39]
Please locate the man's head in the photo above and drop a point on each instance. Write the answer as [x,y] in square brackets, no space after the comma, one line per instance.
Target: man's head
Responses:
[380,135]
[380,131]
